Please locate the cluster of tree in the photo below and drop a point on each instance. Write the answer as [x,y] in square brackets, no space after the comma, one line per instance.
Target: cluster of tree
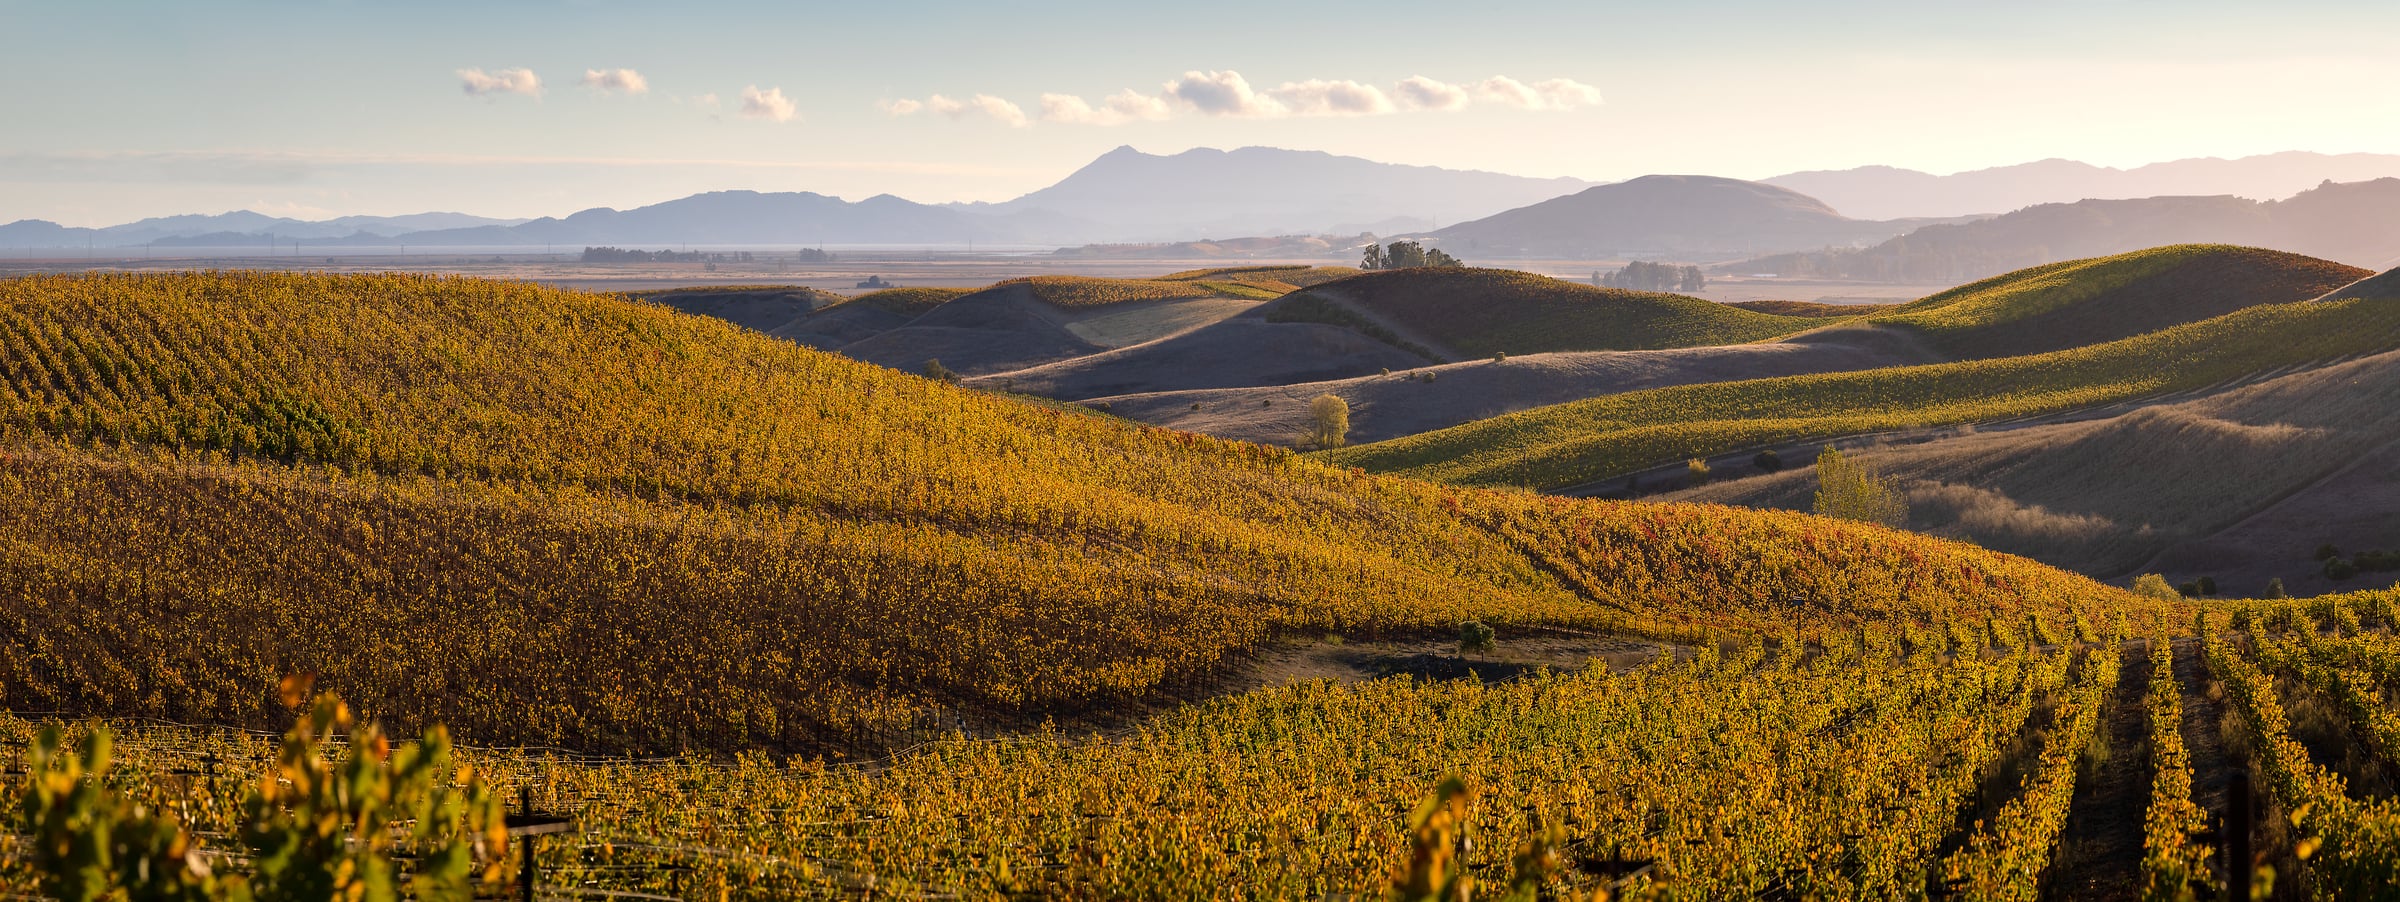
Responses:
[2336,568]
[1404,255]
[622,255]
[1640,276]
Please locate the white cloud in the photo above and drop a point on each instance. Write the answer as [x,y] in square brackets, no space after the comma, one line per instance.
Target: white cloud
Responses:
[1331,98]
[997,108]
[1550,94]
[1228,93]
[1002,110]
[1221,94]
[616,81]
[1124,106]
[478,83]
[767,104]
[707,100]
[1420,93]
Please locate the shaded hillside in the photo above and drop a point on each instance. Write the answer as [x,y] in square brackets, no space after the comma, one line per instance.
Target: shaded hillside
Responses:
[2086,302]
[1480,312]
[1810,308]
[1028,322]
[865,316]
[1402,403]
[1604,438]
[2242,486]
[761,308]
[2349,223]
[1685,216]
[566,519]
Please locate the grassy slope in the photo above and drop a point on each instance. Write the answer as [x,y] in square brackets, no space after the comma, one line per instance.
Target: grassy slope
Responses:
[2081,302]
[1575,443]
[1811,308]
[562,518]
[1295,275]
[1478,312]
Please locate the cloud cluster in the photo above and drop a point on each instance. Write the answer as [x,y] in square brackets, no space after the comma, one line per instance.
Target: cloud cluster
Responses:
[769,104]
[1227,93]
[616,81]
[997,109]
[478,83]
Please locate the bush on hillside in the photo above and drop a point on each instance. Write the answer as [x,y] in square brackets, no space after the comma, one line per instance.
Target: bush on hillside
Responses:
[935,371]
[1768,461]
[2152,585]
[2327,552]
[1851,490]
[2338,569]
[1696,470]
[2275,589]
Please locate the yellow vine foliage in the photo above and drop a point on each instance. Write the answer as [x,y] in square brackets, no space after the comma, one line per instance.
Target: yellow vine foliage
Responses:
[558,518]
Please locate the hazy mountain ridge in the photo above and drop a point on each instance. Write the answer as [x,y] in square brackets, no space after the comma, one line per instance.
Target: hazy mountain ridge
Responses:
[1887,192]
[1683,216]
[1210,193]
[2347,223]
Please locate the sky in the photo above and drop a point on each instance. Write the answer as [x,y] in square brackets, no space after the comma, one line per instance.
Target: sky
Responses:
[317,108]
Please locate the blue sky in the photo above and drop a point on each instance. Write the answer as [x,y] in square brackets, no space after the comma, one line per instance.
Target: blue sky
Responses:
[118,110]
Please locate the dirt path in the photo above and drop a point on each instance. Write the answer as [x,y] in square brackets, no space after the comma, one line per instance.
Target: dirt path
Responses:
[2211,761]
[2100,851]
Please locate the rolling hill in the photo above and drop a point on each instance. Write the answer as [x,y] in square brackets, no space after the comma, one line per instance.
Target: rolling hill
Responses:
[569,519]
[1689,217]
[1028,322]
[1344,325]
[1604,438]
[1461,312]
[2242,485]
[2052,308]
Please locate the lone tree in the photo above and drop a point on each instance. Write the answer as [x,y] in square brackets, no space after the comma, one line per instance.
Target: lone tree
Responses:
[1328,422]
[1851,490]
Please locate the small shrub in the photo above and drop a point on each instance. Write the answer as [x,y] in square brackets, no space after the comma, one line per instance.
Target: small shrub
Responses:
[935,371]
[2327,552]
[1696,470]
[2208,585]
[2275,588]
[2189,589]
[1195,405]
[1499,356]
[1768,461]
[2152,585]
[1476,637]
[2338,569]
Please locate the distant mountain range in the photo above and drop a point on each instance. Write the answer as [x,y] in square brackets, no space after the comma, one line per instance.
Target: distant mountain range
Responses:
[1883,192]
[1124,196]
[1690,217]
[1254,191]
[1127,196]
[239,228]
[2351,223]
